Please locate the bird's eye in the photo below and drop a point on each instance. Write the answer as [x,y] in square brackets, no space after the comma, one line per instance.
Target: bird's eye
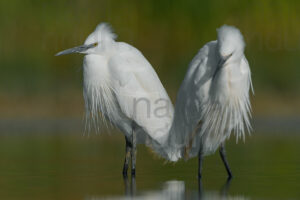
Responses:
[95,44]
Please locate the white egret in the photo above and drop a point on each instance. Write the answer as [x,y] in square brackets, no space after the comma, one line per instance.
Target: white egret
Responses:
[213,99]
[121,84]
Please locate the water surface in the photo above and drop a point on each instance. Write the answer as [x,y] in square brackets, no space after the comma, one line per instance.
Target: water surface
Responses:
[72,166]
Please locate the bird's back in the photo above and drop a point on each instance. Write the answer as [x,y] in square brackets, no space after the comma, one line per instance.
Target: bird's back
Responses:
[191,96]
[140,95]
[121,84]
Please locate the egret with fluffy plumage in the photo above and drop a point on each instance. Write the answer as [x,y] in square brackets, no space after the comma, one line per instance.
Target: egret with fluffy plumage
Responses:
[213,99]
[120,86]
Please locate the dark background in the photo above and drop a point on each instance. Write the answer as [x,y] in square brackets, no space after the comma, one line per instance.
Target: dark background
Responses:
[34,83]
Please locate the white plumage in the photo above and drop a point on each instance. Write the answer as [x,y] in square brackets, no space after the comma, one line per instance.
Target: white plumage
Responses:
[121,86]
[119,83]
[213,99]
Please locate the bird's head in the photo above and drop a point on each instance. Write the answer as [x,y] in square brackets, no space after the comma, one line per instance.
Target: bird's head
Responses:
[230,43]
[98,40]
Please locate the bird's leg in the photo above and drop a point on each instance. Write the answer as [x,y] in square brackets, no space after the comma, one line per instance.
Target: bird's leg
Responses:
[133,152]
[224,159]
[200,160]
[127,157]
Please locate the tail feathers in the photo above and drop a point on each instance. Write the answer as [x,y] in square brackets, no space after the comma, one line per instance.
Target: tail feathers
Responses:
[165,151]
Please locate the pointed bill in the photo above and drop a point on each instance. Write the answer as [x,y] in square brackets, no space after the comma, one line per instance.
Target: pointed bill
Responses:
[78,49]
[222,61]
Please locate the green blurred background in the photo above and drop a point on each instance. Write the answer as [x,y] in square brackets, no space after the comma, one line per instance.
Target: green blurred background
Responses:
[41,95]
[36,84]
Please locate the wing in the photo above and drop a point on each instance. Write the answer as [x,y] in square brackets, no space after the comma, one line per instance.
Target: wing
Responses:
[209,108]
[140,93]
[191,98]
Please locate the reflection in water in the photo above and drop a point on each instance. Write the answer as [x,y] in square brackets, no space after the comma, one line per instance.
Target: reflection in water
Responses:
[222,194]
[173,190]
[225,188]
[170,190]
[130,187]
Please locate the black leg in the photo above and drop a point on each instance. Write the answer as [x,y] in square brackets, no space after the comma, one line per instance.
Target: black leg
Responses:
[127,157]
[224,159]
[200,160]
[133,152]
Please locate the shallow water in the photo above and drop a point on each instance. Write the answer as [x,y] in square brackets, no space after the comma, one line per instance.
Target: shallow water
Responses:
[66,166]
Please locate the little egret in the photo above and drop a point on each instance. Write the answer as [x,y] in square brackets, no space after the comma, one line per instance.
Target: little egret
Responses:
[213,99]
[120,85]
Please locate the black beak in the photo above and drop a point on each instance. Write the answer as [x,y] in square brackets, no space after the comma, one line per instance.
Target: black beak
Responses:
[222,61]
[79,49]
